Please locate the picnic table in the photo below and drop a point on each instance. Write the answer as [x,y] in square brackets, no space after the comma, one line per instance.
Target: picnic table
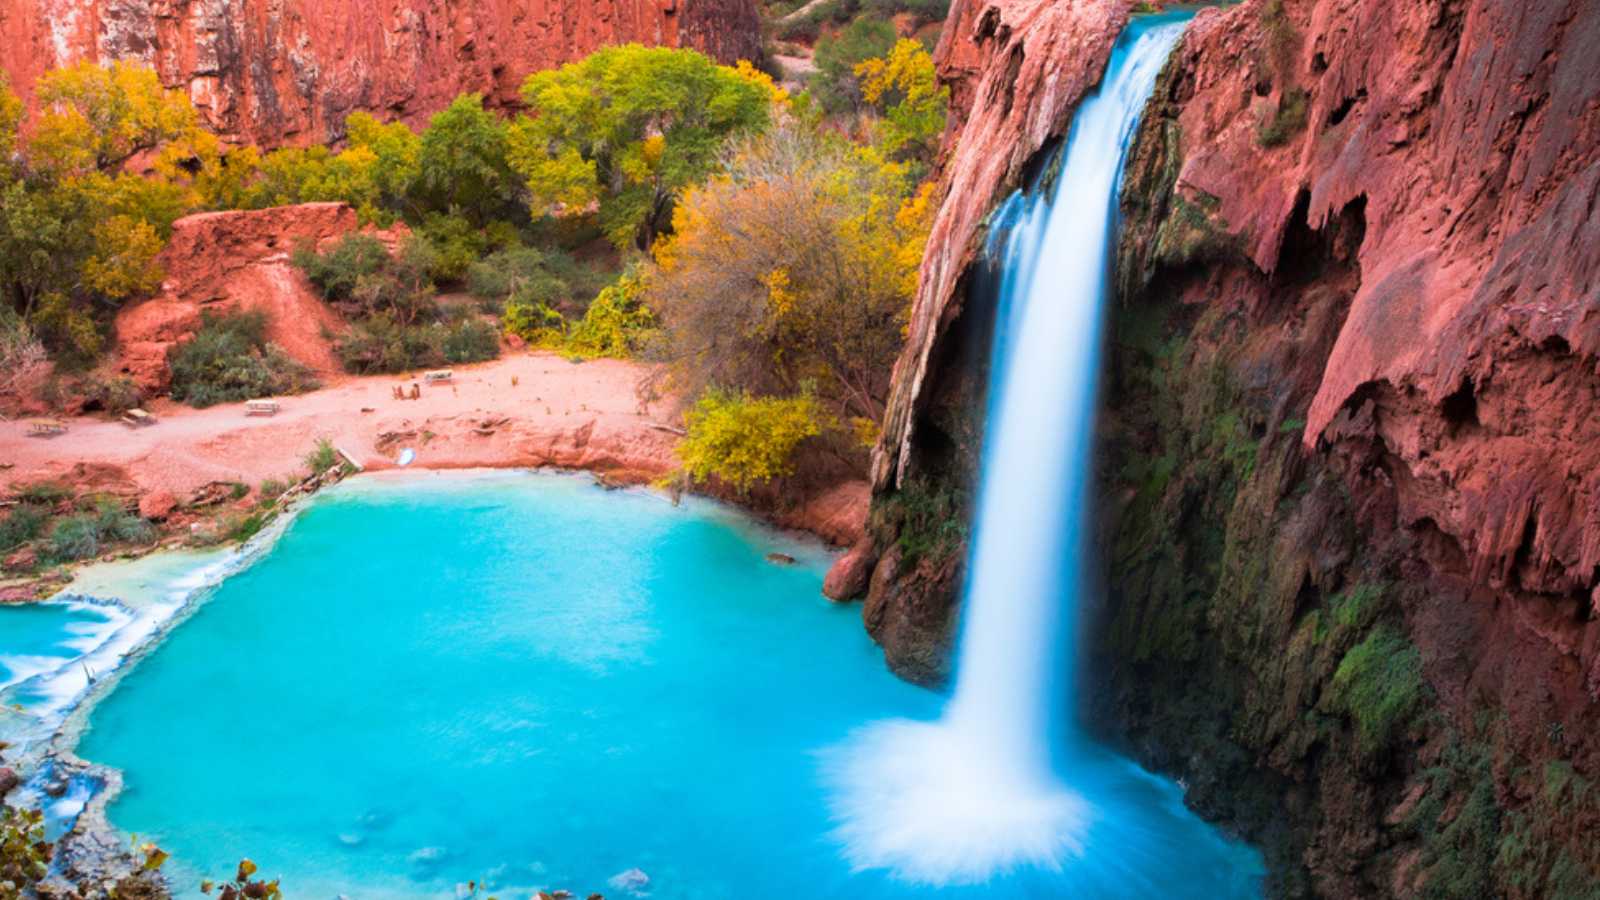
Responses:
[137,418]
[261,407]
[46,427]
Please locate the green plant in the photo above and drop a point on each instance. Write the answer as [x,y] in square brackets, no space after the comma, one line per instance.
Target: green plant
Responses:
[272,489]
[229,359]
[1287,120]
[248,526]
[24,853]
[616,323]
[337,272]
[1379,685]
[22,524]
[470,341]
[533,321]
[322,457]
[244,885]
[743,440]
[86,534]
[44,493]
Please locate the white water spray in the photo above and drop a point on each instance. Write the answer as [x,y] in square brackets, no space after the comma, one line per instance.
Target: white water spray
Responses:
[980,792]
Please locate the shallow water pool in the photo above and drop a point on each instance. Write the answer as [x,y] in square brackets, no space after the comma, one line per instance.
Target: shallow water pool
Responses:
[520,679]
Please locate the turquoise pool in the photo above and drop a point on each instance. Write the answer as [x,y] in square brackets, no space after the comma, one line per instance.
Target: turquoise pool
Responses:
[525,680]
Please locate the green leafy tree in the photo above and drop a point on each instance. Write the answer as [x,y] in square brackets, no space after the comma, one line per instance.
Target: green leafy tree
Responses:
[625,129]
[462,165]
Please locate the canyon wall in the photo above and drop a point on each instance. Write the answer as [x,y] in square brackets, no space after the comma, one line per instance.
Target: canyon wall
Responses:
[1351,514]
[277,71]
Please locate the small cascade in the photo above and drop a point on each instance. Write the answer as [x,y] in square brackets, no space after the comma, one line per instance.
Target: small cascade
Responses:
[997,784]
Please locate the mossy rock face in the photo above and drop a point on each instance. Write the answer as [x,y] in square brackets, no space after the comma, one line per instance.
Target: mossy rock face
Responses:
[1256,641]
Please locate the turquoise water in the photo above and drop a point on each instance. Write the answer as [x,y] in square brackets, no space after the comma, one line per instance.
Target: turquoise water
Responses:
[528,680]
[40,639]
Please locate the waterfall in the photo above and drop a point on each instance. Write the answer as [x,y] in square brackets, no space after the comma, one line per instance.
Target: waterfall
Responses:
[991,787]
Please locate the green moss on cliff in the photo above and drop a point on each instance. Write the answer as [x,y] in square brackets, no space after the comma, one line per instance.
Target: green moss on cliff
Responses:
[1379,686]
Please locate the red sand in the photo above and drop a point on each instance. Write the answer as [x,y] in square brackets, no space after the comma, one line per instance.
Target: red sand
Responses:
[571,415]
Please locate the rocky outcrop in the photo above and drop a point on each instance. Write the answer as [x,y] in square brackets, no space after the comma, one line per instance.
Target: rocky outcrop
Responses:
[226,261]
[275,71]
[1350,511]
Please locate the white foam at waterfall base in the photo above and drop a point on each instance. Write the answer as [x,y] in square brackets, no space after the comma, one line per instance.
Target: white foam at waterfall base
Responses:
[980,792]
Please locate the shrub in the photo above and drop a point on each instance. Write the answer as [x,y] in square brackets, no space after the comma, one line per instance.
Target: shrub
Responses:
[1286,121]
[229,359]
[24,853]
[381,346]
[44,493]
[470,341]
[534,322]
[743,440]
[84,535]
[272,489]
[322,457]
[835,86]
[114,395]
[337,272]
[616,323]
[23,359]
[24,523]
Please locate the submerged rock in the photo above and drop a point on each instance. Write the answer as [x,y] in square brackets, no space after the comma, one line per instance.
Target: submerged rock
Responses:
[633,880]
[780,559]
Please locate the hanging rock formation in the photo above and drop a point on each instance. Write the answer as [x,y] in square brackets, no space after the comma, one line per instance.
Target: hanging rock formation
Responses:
[290,71]
[1350,504]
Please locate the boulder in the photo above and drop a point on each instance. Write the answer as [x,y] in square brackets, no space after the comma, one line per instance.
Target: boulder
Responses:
[23,560]
[848,576]
[9,781]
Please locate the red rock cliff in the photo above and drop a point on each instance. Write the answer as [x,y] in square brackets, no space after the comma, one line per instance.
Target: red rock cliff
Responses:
[271,71]
[1353,415]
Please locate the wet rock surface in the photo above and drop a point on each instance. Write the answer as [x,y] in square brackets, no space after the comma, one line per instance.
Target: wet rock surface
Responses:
[1349,504]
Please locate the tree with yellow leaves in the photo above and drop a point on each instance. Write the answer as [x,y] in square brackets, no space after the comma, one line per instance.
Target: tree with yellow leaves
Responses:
[796,265]
[906,88]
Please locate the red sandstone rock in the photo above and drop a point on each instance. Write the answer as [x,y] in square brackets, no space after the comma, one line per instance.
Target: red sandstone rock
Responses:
[157,505]
[21,561]
[226,261]
[8,781]
[848,577]
[275,71]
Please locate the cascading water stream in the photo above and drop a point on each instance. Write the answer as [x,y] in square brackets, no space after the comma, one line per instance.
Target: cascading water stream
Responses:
[1001,782]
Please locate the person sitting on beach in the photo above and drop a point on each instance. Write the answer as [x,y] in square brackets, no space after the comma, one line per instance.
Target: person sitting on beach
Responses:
[416,391]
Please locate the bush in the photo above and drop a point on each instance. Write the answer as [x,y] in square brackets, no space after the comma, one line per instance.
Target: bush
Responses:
[44,493]
[534,322]
[24,523]
[380,346]
[1286,121]
[24,853]
[835,85]
[114,395]
[323,457]
[616,323]
[229,359]
[470,341]
[337,272]
[85,535]
[743,440]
